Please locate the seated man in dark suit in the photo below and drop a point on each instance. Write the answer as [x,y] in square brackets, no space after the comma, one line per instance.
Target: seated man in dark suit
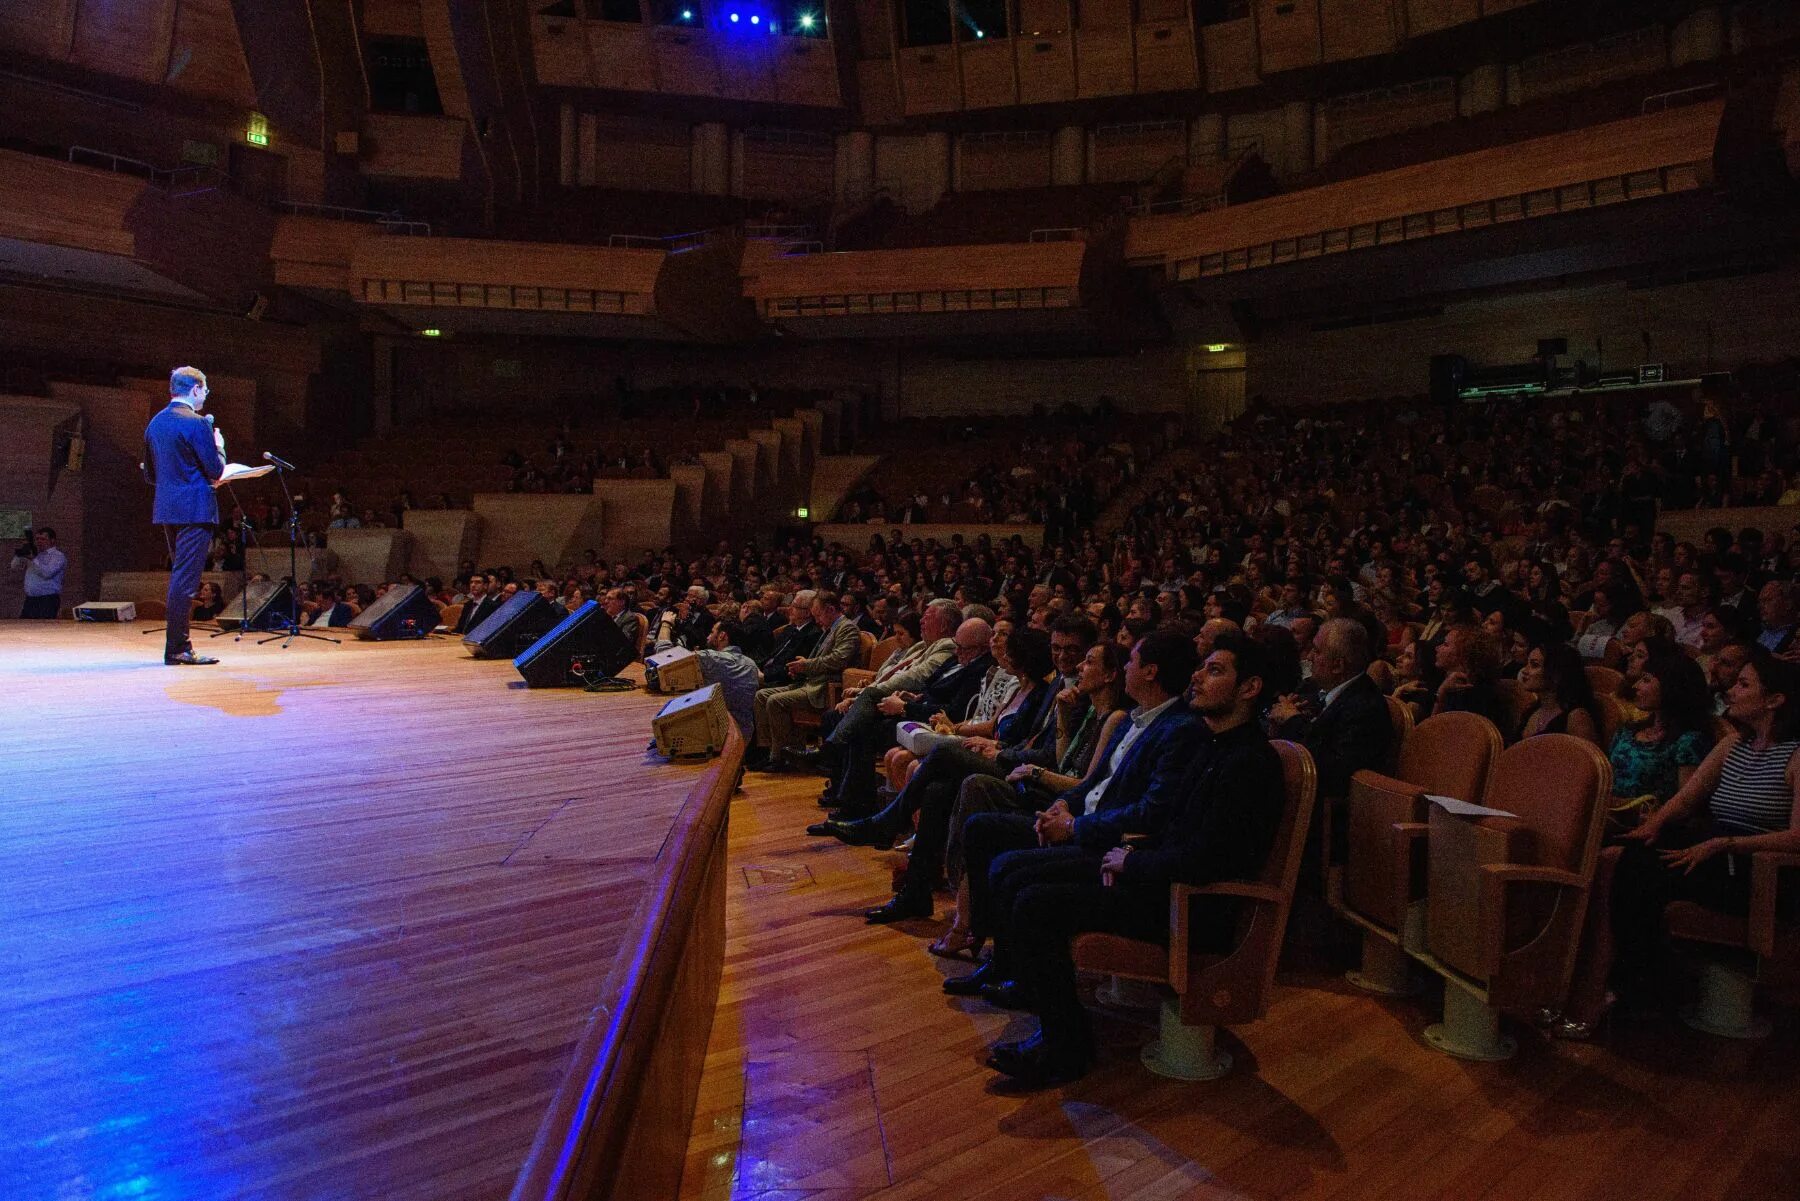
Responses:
[479,607]
[1344,725]
[1130,788]
[1227,811]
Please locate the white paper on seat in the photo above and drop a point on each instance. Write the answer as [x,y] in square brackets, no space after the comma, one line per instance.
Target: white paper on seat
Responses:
[243,471]
[1592,646]
[1450,804]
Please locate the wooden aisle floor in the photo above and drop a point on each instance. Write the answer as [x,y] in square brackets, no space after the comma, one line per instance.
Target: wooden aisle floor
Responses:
[323,922]
[837,1069]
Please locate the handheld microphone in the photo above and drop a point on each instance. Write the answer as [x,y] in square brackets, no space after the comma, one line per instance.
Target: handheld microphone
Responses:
[279,462]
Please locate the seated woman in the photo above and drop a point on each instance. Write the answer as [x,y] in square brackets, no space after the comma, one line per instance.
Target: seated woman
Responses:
[1554,673]
[998,691]
[1086,717]
[1469,657]
[1414,682]
[1743,798]
[209,602]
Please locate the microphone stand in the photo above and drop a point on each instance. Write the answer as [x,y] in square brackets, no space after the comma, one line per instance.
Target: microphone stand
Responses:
[291,629]
[246,538]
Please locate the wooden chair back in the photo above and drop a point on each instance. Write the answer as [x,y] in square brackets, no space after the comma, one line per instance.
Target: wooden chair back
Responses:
[1611,716]
[884,650]
[1400,716]
[1604,680]
[1451,754]
[450,614]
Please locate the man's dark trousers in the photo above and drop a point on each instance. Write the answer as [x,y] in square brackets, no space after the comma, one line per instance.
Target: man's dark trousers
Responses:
[188,545]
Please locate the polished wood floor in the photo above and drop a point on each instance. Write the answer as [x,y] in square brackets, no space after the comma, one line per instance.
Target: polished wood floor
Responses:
[323,922]
[838,1070]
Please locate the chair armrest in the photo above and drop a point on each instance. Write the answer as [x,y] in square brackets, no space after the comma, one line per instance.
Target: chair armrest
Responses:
[1765,884]
[1410,842]
[858,677]
[1229,888]
[1267,901]
[1497,880]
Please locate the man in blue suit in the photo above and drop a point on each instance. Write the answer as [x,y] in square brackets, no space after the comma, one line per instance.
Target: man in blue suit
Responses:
[183,459]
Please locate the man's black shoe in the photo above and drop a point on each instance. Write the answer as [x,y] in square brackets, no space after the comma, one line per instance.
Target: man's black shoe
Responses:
[1007,994]
[972,984]
[810,760]
[1038,1067]
[188,659]
[900,909]
[863,833]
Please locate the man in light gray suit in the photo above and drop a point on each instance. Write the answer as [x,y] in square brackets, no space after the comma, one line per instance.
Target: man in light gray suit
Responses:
[838,648]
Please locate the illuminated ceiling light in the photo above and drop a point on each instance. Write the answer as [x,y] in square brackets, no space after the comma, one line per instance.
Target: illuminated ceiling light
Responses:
[687,14]
[734,18]
[806,21]
[755,20]
[980,34]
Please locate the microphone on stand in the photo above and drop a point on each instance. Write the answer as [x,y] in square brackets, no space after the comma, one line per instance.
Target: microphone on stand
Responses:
[279,462]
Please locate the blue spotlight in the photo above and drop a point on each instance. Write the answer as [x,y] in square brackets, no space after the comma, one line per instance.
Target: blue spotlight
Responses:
[755,20]
[806,21]
[734,18]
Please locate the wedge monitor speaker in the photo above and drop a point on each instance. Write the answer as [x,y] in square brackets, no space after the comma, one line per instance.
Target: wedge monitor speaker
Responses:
[403,611]
[585,646]
[695,724]
[674,670]
[513,627]
[268,603]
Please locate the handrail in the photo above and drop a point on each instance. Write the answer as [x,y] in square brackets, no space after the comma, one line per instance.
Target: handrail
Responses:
[1063,234]
[166,178]
[801,232]
[583,1140]
[1663,101]
[392,222]
[673,243]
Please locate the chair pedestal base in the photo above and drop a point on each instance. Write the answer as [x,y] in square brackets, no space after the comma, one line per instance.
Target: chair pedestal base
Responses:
[1122,992]
[1185,1052]
[1727,1005]
[1386,971]
[1470,1029]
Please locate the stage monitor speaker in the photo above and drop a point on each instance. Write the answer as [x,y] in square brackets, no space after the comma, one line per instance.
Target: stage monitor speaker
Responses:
[695,724]
[106,611]
[674,670]
[585,645]
[268,602]
[1447,373]
[403,611]
[515,625]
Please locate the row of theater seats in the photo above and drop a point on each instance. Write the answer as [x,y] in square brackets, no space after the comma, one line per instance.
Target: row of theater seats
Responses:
[1511,911]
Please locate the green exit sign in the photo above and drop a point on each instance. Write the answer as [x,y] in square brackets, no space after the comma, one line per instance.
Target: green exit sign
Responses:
[257,132]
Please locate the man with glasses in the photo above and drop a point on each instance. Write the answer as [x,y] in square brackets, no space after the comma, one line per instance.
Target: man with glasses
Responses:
[184,456]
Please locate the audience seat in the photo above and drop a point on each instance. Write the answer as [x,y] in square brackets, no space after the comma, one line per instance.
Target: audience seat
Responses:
[150,610]
[450,615]
[1515,701]
[1611,715]
[1762,947]
[808,718]
[1204,992]
[1604,680]
[1506,896]
[1332,809]
[1383,876]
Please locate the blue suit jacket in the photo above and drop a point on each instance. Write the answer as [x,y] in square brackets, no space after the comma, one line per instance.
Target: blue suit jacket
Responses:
[181,460]
[1143,792]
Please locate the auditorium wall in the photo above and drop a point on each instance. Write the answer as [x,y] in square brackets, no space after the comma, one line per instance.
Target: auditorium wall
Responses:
[1691,328]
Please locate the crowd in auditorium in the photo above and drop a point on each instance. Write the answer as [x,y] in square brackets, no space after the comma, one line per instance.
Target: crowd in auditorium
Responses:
[1056,733]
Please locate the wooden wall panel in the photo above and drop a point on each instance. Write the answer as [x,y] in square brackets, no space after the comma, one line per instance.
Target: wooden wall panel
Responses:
[1103,61]
[1228,52]
[409,146]
[1040,17]
[560,54]
[928,80]
[988,73]
[45,28]
[793,171]
[128,40]
[642,153]
[623,56]
[878,91]
[684,62]
[940,387]
[983,164]
[1429,16]
[206,58]
[42,200]
[1046,67]
[1367,116]
[1490,7]
[1287,34]
[1358,28]
[806,72]
[1134,154]
[746,70]
[1623,56]
[391,19]
[1165,57]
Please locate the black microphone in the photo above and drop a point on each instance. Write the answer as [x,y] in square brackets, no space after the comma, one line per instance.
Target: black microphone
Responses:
[281,463]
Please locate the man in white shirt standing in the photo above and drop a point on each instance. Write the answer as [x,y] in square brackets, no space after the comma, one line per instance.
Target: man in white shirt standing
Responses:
[43,563]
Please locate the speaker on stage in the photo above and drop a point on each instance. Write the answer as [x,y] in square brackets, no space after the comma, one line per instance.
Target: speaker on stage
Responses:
[674,670]
[403,611]
[585,645]
[269,603]
[515,625]
[695,724]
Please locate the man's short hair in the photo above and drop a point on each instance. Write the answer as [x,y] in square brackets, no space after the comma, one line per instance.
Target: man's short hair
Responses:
[47,532]
[1351,640]
[1079,627]
[1173,655]
[1252,659]
[183,381]
[951,610]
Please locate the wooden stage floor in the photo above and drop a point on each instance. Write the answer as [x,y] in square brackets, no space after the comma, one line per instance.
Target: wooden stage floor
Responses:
[323,922]
[838,1070]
